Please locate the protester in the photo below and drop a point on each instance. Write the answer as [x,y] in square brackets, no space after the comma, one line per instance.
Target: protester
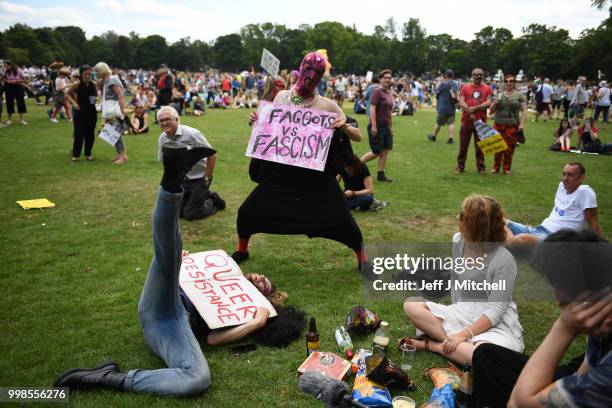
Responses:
[563,136]
[576,263]
[556,98]
[446,99]
[544,93]
[113,105]
[2,75]
[198,201]
[474,99]
[474,317]
[603,104]
[162,313]
[380,131]
[13,88]
[60,100]
[510,109]
[84,94]
[140,120]
[164,86]
[574,205]
[293,200]
[580,99]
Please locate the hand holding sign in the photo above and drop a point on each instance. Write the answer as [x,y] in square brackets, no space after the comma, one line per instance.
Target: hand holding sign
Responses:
[292,135]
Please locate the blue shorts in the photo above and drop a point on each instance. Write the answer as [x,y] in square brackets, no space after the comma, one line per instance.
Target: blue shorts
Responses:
[538,231]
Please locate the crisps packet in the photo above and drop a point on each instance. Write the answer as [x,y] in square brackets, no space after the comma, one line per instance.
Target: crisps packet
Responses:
[362,320]
[367,391]
[440,376]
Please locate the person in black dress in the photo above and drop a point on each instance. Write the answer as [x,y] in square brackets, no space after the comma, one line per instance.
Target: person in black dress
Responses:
[85,114]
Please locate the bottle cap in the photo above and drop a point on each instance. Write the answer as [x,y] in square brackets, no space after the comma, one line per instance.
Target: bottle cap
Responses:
[349,354]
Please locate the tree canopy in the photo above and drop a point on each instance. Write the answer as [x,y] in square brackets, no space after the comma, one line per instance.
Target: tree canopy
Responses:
[403,47]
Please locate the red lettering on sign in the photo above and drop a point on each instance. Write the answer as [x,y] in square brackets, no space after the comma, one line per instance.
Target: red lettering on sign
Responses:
[209,260]
[229,317]
[216,276]
[231,286]
[244,298]
[247,310]
[197,274]
[188,260]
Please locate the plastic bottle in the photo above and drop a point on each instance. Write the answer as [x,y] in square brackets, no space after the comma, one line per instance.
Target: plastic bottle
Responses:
[381,338]
[344,341]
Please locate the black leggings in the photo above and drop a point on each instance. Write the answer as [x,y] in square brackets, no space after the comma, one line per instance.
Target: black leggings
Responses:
[14,92]
[84,130]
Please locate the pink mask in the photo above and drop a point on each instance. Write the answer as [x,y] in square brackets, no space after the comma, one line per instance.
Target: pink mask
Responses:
[311,71]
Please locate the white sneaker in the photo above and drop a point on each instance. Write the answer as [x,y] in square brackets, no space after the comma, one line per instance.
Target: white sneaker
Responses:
[54,120]
[23,123]
[8,123]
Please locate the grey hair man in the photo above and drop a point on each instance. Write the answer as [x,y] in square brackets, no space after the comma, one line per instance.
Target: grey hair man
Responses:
[198,201]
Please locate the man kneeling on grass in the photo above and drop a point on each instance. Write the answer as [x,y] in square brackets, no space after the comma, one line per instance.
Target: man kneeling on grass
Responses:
[169,330]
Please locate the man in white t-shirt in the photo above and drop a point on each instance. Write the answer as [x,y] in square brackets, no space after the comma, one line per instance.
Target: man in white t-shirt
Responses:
[575,204]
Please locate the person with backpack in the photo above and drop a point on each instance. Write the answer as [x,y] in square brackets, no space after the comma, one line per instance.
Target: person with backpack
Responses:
[446,105]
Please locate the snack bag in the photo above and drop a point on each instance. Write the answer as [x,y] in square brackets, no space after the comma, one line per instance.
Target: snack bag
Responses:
[382,371]
[444,398]
[440,376]
[362,320]
[367,391]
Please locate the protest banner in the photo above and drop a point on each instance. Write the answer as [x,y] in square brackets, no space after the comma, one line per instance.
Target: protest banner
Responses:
[37,203]
[291,135]
[111,132]
[369,76]
[269,62]
[490,139]
[222,295]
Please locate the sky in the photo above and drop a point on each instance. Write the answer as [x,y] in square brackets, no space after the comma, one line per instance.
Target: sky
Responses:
[206,20]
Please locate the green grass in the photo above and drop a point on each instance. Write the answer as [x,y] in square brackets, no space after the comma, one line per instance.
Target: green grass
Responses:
[72,275]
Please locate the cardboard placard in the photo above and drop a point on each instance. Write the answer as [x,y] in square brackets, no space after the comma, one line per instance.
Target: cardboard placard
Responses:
[369,76]
[38,203]
[269,62]
[222,295]
[111,132]
[292,135]
[491,141]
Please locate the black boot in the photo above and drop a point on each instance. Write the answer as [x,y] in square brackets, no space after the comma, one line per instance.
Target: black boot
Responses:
[106,375]
[240,257]
[178,159]
[382,177]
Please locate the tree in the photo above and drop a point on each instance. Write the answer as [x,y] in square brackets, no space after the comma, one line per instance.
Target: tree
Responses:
[229,52]
[414,47]
[151,52]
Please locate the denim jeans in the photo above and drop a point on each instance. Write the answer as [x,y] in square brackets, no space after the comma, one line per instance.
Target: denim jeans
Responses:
[163,317]
[538,231]
[362,202]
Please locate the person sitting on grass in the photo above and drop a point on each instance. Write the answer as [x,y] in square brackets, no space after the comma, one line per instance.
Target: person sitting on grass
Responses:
[474,317]
[358,188]
[163,316]
[577,265]
[563,135]
[140,120]
[198,106]
[575,204]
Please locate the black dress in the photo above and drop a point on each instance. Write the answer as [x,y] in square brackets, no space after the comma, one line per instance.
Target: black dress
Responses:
[85,119]
[293,200]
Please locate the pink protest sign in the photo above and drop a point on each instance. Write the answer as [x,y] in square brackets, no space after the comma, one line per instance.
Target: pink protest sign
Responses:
[292,135]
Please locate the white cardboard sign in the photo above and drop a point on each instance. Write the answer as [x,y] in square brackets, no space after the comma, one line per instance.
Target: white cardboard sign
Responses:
[222,295]
[110,133]
[269,62]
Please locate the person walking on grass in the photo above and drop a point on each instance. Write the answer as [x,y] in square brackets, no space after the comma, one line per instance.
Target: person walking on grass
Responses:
[112,93]
[84,94]
[474,99]
[13,89]
[380,133]
[446,99]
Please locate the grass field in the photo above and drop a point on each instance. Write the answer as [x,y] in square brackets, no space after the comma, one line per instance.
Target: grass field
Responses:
[73,274]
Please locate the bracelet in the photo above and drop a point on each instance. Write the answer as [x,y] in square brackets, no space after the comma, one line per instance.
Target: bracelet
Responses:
[471,333]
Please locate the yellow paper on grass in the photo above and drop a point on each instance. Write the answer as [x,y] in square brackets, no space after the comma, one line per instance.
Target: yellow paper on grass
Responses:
[493,144]
[38,203]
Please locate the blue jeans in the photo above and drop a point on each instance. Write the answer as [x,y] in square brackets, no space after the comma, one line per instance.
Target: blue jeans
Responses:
[538,231]
[362,202]
[163,317]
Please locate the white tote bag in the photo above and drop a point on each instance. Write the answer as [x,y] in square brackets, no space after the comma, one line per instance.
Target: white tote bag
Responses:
[110,108]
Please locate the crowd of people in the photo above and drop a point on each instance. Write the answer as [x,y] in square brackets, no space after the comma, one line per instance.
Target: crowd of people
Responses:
[485,331]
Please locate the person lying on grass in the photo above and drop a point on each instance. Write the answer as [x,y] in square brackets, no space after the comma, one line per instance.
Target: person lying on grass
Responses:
[475,316]
[162,313]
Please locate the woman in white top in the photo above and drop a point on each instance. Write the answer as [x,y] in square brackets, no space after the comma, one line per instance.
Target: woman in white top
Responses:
[603,103]
[112,100]
[475,316]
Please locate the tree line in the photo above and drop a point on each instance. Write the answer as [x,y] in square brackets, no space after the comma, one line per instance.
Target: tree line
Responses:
[405,48]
